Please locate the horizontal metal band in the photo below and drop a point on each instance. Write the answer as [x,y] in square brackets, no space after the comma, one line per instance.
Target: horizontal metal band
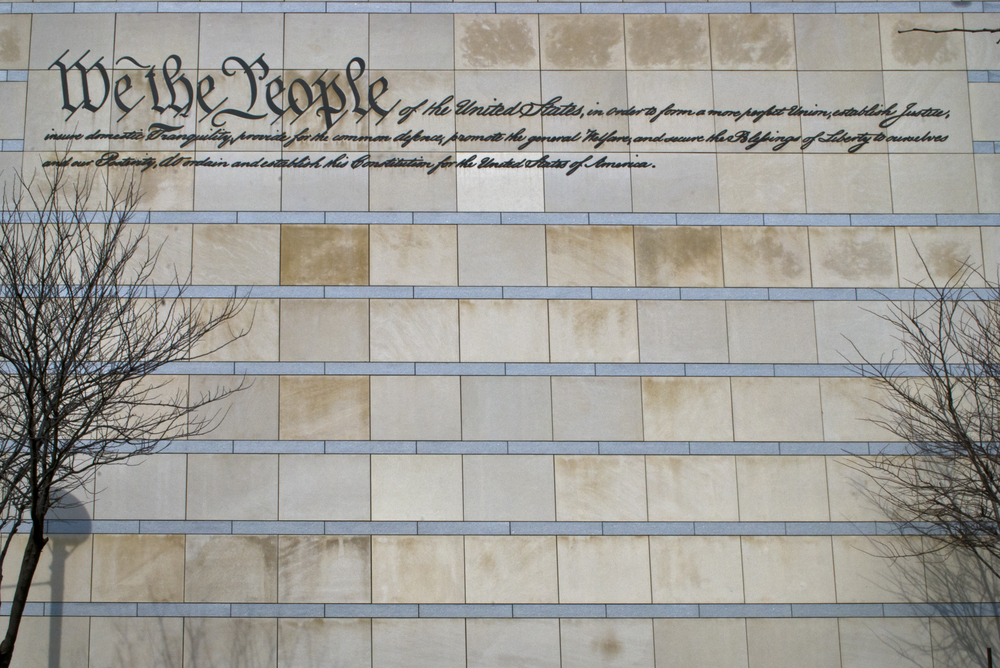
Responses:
[515,611]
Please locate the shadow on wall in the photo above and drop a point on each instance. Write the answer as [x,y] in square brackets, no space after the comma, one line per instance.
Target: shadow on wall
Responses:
[963,609]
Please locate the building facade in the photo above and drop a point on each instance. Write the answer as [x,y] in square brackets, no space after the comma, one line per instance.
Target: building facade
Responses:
[552,306]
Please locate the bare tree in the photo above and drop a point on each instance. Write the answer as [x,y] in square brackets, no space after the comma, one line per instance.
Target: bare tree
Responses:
[943,400]
[83,336]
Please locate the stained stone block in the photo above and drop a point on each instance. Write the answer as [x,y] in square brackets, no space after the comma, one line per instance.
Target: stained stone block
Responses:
[607,643]
[324,569]
[581,42]
[687,409]
[418,569]
[668,41]
[582,255]
[486,42]
[324,255]
[678,256]
[696,569]
[138,568]
[685,489]
[608,488]
[511,569]
[231,569]
[752,42]
[593,331]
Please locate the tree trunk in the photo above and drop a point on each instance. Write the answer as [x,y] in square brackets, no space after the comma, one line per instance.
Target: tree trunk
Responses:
[32,554]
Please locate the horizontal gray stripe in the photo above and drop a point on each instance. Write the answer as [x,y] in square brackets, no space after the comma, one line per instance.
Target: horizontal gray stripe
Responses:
[441,528]
[497,7]
[696,370]
[515,610]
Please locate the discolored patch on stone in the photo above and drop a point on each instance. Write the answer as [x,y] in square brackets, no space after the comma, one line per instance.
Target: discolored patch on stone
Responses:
[500,42]
[669,41]
[744,41]
[583,42]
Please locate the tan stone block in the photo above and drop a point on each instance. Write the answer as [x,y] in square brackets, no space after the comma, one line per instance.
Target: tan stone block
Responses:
[411,189]
[116,642]
[850,407]
[414,255]
[932,183]
[752,42]
[596,409]
[218,643]
[250,336]
[232,487]
[593,331]
[689,91]
[149,488]
[701,642]
[501,255]
[246,35]
[12,100]
[224,569]
[506,408]
[55,33]
[991,250]
[64,569]
[322,41]
[696,569]
[498,189]
[504,330]
[840,326]
[314,330]
[757,90]
[418,643]
[959,641]
[782,489]
[687,409]
[781,643]
[316,408]
[324,255]
[43,113]
[324,569]
[496,42]
[233,185]
[152,38]
[892,643]
[324,487]
[409,86]
[787,569]
[921,50]
[683,182]
[322,189]
[837,42]
[685,489]
[418,569]
[416,487]
[416,407]
[591,190]
[761,183]
[324,643]
[15,36]
[987,173]
[979,54]
[772,331]
[581,42]
[832,91]
[603,569]
[425,41]
[847,183]
[683,331]
[414,330]
[509,488]
[944,251]
[766,256]
[590,255]
[235,254]
[597,488]
[876,570]
[848,257]
[138,568]
[777,409]
[476,90]
[669,41]
[607,643]
[498,643]
[678,256]
[944,90]
[511,569]
[854,492]
[50,641]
